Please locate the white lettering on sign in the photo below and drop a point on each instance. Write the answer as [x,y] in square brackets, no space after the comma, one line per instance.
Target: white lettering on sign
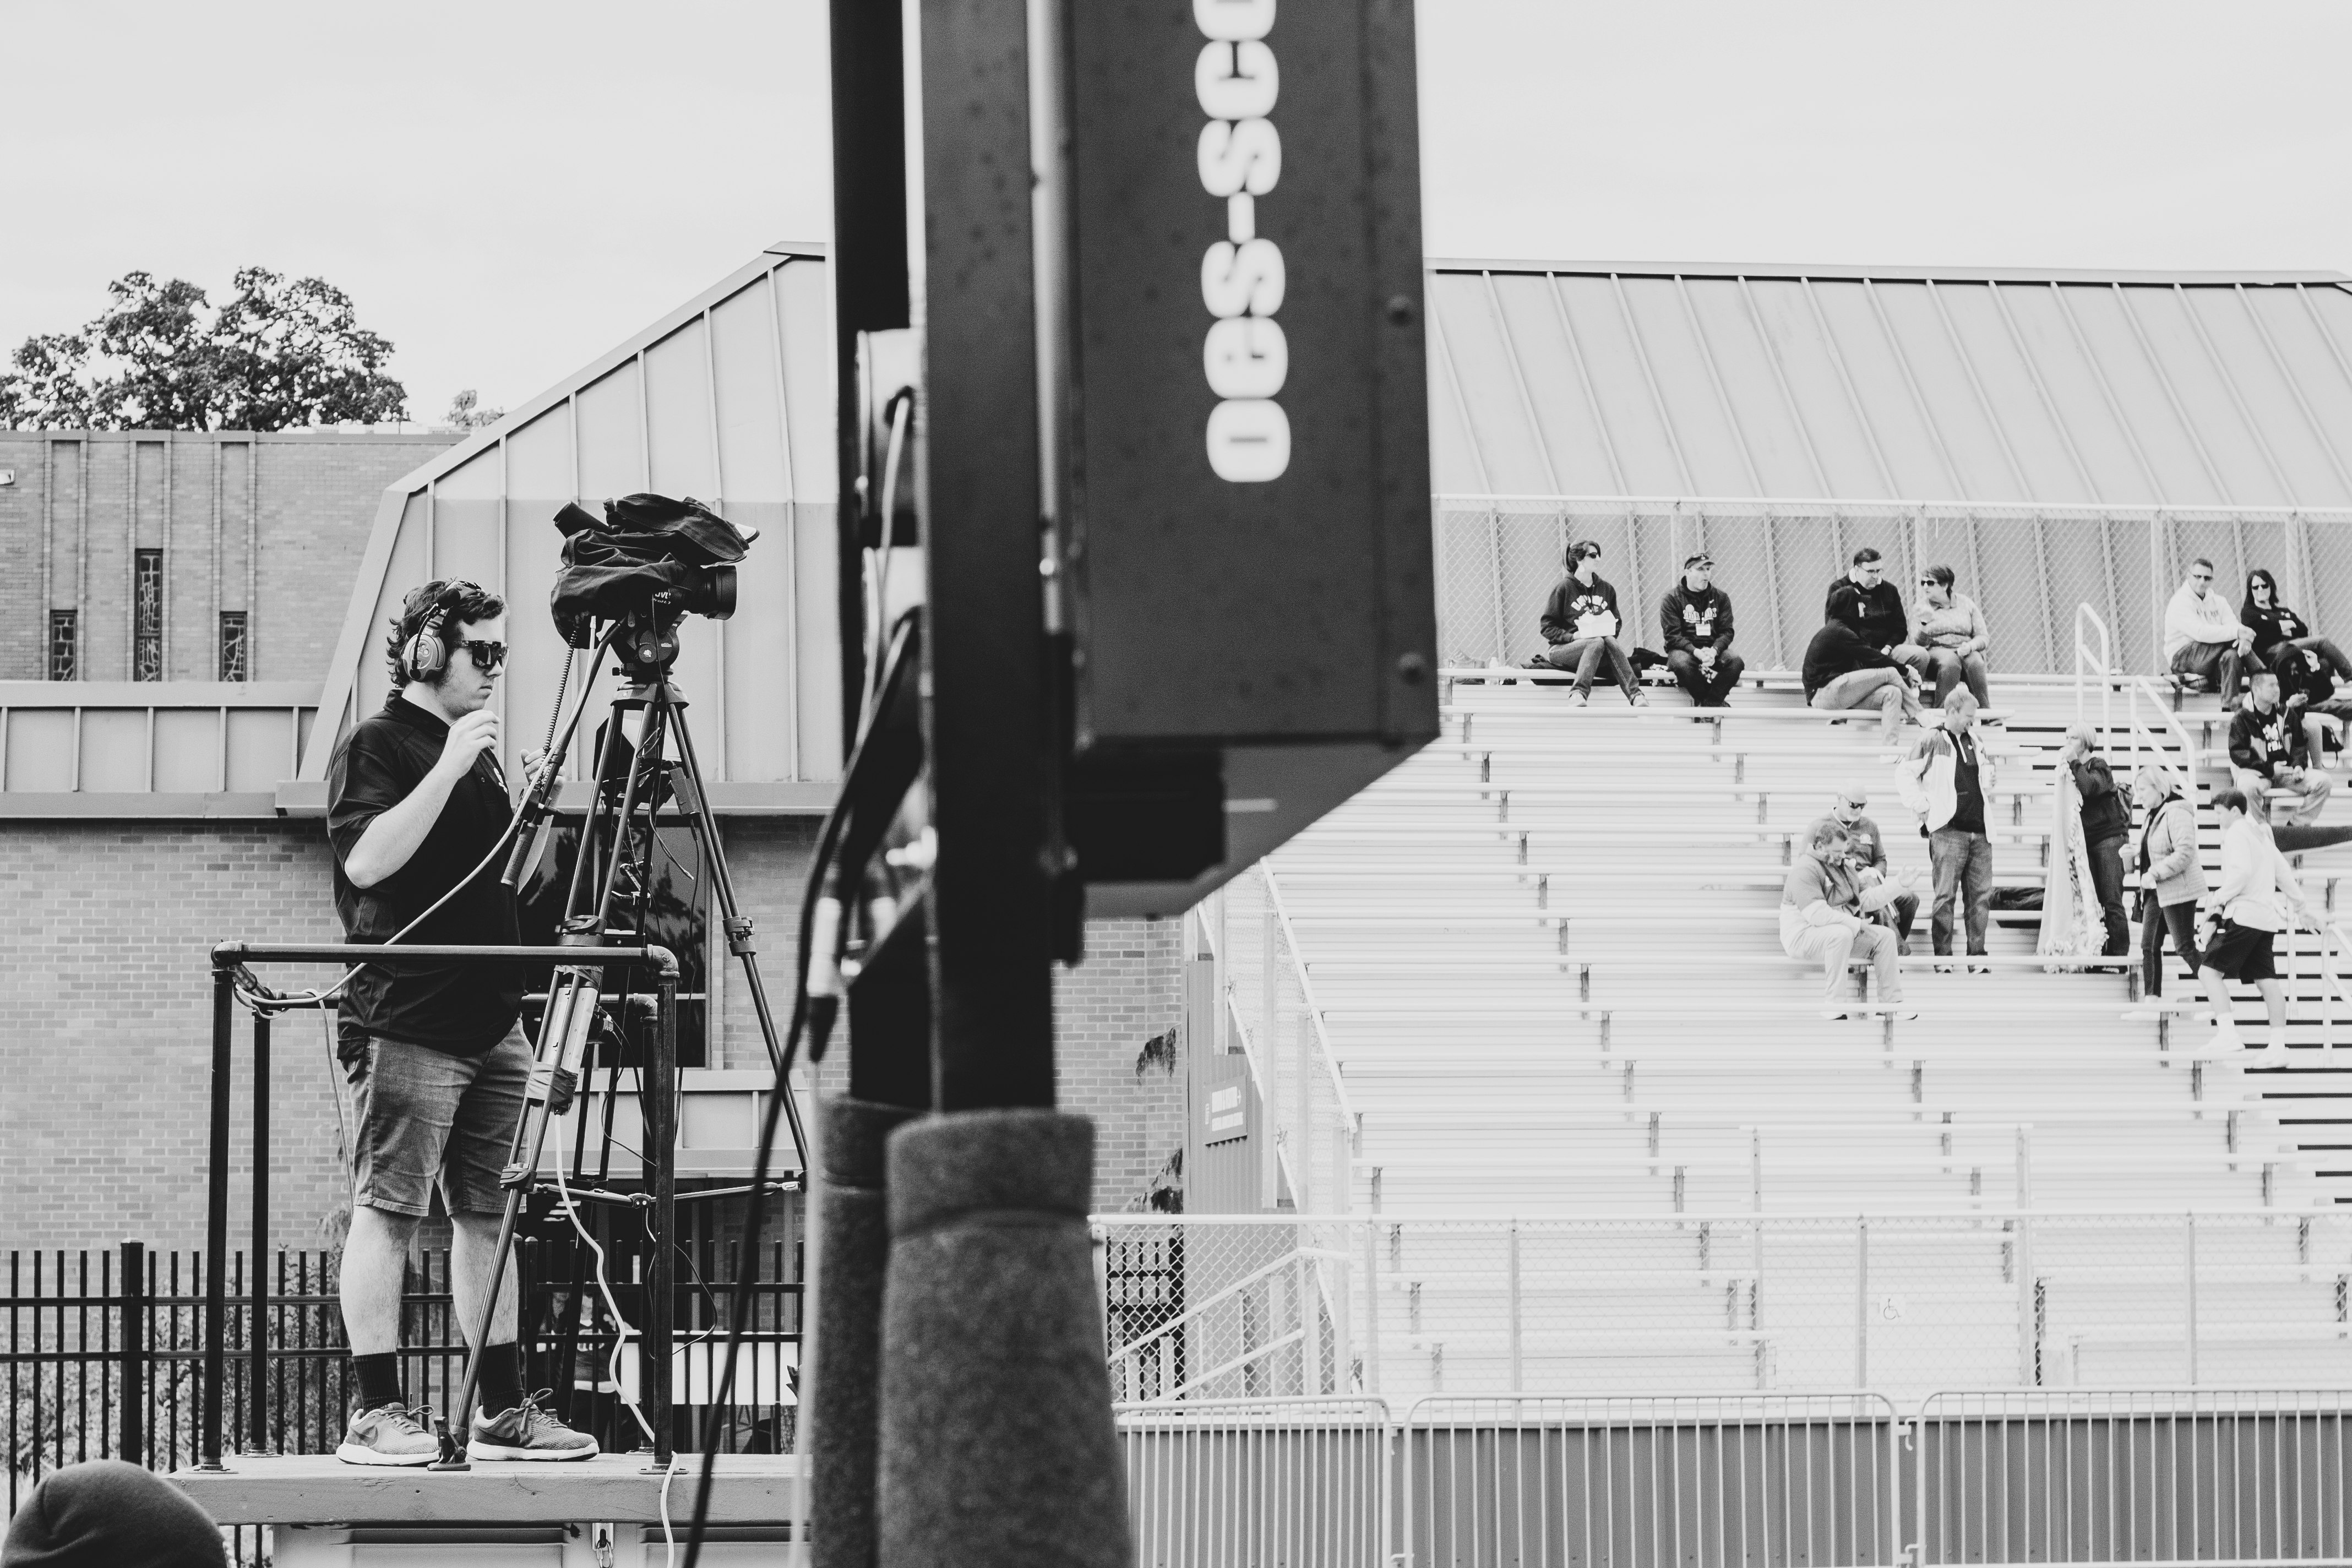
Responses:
[1246,356]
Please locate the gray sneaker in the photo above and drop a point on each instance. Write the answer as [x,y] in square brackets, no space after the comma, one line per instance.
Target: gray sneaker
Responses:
[527,1432]
[388,1434]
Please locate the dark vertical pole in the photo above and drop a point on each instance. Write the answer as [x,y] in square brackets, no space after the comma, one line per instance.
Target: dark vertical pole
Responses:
[217,1227]
[988,719]
[258,1334]
[132,1445]
[661,1150]
[869,271]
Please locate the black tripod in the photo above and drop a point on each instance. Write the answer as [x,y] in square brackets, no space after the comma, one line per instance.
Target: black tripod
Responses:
[611,900]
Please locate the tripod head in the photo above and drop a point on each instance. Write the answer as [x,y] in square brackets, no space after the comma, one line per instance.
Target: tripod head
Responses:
[645,640]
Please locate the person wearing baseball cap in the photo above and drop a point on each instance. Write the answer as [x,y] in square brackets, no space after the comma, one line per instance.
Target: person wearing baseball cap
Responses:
[1696,616]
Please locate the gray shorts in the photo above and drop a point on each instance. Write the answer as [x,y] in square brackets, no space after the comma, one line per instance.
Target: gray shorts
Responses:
[424,1115]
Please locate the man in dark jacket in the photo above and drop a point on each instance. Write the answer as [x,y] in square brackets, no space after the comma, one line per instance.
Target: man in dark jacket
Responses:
[1697,627]
[2106,822]
[2268,754]
[1582,626]
[1841,671]
[1864,600]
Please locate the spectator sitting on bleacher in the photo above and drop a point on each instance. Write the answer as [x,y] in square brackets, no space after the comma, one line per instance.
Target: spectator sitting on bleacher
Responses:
[1872,607]
[1582,624]
[2170,878]
[2202,640]
[1946,780]
[2259,896]
[2269,757]
[1952,630]
[1866,858]
[1842,670]
[1823,917]
[2309,666]
[2107,823]
[1696,617]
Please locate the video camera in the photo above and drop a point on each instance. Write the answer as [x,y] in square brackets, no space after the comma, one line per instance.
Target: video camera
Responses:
[647,563]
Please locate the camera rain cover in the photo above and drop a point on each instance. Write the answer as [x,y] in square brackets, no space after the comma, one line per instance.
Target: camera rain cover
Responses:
[643,546]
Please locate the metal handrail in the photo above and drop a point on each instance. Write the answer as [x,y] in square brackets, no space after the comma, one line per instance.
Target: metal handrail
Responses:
[1201,1309]
[1314,1006]
[2102,661]
[2191,754]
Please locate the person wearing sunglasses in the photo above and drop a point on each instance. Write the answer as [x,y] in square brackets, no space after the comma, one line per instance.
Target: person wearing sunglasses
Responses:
[1583,630]
[2309,666]
[1948,624]
[2204,641]
[435,1054]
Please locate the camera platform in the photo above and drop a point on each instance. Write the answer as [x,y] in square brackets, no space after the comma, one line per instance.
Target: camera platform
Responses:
[329,1514]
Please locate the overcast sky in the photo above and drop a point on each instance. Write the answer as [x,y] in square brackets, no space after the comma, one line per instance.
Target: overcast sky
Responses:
[506,189]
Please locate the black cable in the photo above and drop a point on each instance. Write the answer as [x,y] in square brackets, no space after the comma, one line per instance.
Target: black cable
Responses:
[823,1010]
[261,998]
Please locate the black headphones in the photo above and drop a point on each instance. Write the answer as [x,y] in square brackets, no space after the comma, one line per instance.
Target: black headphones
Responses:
[427,654]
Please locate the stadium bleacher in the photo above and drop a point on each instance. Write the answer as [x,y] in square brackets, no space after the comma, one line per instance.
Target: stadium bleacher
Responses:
[1546,960]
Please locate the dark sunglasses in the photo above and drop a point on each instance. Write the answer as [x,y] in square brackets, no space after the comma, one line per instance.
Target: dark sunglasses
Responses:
[489,658]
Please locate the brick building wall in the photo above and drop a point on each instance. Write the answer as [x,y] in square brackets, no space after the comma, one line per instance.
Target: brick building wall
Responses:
[289,510]
[1129,991]
[105,1024]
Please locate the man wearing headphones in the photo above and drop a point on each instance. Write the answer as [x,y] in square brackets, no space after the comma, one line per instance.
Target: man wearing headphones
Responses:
[435,1056]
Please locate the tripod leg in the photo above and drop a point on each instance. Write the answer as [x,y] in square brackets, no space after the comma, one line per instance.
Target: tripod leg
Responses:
[565,1033]
[739,930]
[452,1446]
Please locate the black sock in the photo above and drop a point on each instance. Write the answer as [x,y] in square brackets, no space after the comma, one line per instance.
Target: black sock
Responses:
[379,1379]
[501,1385]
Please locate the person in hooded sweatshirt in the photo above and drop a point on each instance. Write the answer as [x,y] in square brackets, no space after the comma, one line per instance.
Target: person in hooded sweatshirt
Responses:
[1698,628]
[110,1514]
[1583,628]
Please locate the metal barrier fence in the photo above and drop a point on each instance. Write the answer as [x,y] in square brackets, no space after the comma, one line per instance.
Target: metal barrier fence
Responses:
[2027,567]
[1258,1306]
[1705,1481]
[1302,1483]
[2221,1477]
[2239,1475]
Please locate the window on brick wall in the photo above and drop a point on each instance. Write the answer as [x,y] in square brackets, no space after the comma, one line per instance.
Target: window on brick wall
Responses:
[147,616]
[232,646]
[65,642]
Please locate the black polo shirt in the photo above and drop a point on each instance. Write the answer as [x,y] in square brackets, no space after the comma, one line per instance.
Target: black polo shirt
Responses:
[462,1011]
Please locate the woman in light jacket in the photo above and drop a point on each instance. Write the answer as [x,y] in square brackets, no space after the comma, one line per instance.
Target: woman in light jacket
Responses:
[2172,881]
[1953,631]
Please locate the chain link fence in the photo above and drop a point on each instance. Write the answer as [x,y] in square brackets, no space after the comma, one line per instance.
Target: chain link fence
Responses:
[1258,1307]
[1499,558]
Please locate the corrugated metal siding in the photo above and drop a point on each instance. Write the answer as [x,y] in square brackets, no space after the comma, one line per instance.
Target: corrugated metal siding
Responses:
[1993,387]
[728,399]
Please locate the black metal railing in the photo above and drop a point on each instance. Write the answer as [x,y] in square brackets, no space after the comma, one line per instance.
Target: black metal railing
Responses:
[105,1350]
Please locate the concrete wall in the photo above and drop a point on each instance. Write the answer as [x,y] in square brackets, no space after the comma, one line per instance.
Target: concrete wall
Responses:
[271,524]
[105,1025]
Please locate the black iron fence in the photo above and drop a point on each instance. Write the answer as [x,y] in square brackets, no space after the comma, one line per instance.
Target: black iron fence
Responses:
[104,1356]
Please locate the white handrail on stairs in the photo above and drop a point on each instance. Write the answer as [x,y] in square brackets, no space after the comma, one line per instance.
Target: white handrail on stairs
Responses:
[1314,1006]
[2097,661]
[2101,662]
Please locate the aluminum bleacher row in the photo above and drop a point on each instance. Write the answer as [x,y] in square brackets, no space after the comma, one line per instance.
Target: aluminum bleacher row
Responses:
[1546,959]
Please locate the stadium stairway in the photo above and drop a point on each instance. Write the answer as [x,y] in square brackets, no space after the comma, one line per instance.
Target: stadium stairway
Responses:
[1546,954]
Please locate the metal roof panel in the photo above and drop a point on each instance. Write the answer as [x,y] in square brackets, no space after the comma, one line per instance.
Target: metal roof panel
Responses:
[1993,385]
